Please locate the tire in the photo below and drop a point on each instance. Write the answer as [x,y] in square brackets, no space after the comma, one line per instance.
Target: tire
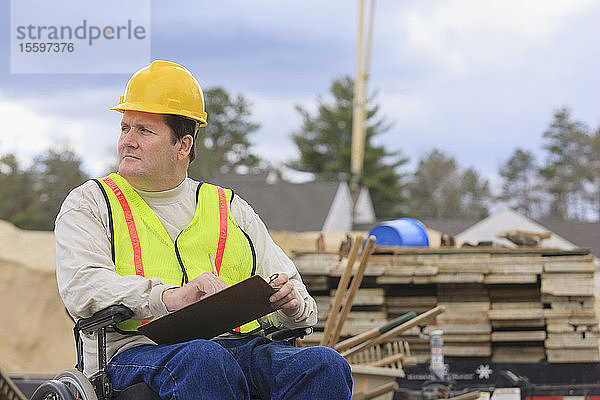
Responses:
[52,390]
[78,384]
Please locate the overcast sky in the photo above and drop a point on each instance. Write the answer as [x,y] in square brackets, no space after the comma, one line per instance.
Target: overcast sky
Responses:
[473,78]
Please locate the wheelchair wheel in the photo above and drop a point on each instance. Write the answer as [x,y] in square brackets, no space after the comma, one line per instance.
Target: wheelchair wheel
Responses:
[52,390]
[78,384]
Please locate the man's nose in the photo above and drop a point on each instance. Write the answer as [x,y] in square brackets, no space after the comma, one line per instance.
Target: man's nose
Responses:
[129,138]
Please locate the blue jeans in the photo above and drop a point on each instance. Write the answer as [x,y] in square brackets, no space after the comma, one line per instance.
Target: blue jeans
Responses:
[234,369]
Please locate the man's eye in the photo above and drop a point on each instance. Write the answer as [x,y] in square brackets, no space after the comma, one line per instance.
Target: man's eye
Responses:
[124,129]
[145,131]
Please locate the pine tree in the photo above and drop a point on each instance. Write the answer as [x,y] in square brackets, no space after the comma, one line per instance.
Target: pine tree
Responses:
[224,144]
[521,188]
[439,189]
[324,142]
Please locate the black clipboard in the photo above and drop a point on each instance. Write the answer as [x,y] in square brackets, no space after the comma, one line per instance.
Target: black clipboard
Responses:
[219,313]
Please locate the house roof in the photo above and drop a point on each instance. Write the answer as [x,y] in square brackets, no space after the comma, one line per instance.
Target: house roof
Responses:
[296,207]
[583,234]
[449,226]
[571,233]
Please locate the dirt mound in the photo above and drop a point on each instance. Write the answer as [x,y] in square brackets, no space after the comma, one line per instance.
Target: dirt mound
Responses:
[35,331]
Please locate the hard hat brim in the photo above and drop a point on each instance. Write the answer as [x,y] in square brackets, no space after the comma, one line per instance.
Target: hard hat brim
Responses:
[158,109]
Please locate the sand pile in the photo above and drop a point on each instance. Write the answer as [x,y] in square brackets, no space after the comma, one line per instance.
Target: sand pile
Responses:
[35,331]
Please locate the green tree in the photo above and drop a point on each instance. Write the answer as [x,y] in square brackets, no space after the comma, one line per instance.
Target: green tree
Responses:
[592,158]
[324,142]
[440,190]
[565,168]
[224,143]
[16,191]
[521,188]
[55,173]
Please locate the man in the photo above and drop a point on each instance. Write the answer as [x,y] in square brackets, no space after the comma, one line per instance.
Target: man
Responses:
[154,240]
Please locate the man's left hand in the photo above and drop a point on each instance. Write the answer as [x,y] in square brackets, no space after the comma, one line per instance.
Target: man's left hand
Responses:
[286,299]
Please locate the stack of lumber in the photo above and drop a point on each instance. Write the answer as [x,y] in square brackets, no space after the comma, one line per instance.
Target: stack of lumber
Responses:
[502,305]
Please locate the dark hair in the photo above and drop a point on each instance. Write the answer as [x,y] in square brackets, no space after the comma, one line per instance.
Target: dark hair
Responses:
[181,126]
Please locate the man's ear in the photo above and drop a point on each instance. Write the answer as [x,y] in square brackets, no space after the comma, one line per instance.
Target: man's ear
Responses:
[185,146]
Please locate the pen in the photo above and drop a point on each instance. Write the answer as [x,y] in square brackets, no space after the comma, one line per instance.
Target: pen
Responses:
[212,263]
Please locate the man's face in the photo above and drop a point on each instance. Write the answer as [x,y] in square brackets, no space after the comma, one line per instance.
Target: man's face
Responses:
[147,155]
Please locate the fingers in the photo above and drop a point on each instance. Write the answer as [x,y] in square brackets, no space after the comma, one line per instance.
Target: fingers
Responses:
[207,284]
[286,298]
[281,279]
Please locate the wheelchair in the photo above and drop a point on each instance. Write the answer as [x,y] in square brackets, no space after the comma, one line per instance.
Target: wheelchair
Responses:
[72,384]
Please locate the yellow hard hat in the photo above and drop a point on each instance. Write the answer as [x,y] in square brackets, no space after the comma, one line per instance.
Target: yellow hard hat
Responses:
[164,87]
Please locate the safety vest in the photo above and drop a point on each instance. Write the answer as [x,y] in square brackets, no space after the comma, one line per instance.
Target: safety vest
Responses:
[141,246]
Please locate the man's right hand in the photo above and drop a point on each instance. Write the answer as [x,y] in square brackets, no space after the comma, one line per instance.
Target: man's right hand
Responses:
[196,289]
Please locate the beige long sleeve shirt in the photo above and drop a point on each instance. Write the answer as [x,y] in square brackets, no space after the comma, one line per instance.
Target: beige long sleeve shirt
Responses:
[86,275]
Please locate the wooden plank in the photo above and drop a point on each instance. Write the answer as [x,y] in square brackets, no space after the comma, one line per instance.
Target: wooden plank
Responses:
[466,338]
[411,300]
[463,268]
[571,343]
[516,314]
[585,301]
[394,280]
[514,293]
[514,268]
[458,278]
[519,336]
[572,355]
[493,279]
[460,329]
[401,270]
[472,350]
[423,280]
[558,266]
[513,323]
[573,335]
[567,287]
[365,297]
[566,313]
[516,305]
[504,354]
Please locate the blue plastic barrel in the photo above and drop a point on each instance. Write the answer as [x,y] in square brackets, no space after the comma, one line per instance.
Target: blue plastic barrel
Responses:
[405,232]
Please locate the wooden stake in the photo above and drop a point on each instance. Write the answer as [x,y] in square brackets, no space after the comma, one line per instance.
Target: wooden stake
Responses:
[394,332]
[341,289]
[370,334]
[356,281]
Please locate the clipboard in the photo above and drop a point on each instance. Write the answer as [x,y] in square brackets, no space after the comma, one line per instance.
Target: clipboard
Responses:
[216,314]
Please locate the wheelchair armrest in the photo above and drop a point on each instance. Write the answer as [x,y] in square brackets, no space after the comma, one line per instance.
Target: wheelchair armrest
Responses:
[288,334]
[103,318]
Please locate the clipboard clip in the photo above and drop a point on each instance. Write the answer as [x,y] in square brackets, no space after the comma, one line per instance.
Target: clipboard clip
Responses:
[272,278]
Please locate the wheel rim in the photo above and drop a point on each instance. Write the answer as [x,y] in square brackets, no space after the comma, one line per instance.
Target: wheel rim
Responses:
[78,384]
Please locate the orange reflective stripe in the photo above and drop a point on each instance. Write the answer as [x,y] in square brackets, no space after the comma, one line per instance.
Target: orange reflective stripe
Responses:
[222,229]
[135,240]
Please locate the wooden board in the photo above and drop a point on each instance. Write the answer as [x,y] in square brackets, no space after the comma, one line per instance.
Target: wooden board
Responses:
[472,350]
[519,269]
[564,286]
[516,305]
[519,336]
[505,354]
[571,343]
[458,278]
[494,279]
[516,314]
[365,297]
[518,323]
[566,266]
[572,355]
